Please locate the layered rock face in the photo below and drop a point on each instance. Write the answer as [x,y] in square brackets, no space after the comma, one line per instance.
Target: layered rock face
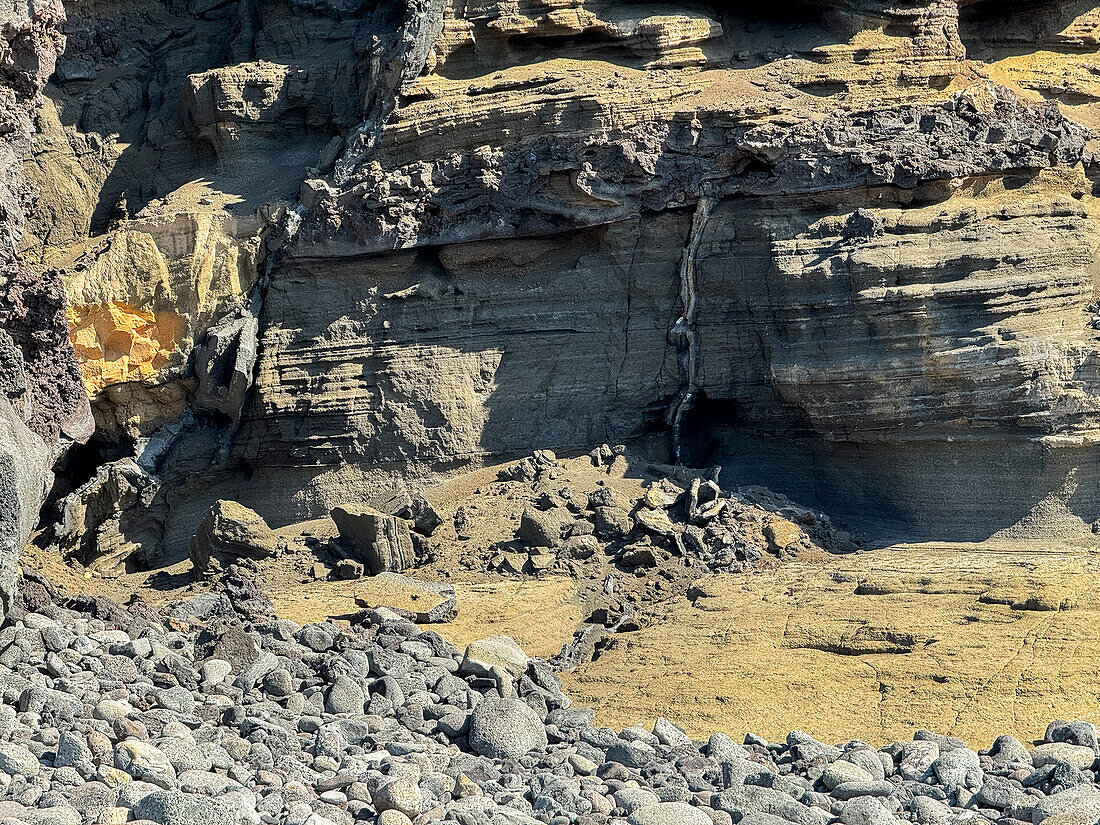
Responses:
[825,224]
[845,250]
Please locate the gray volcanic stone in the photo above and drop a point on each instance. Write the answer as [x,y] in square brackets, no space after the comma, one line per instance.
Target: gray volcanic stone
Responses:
[874,787]
[255,672]
[928,811]
[670,734]
[917,758]
[399,795]
[177,808]
[722,748]
[760,818]
[843,771]
[668,813]
[1080,756]
[344,696]
[143,760]
[742,800]
[54,815]
[633,754]
[1076,733]
[72,750]
[505,729]
[866,810]
[318,637]
[279,682]
[1008,750]
[24,477]
[494,651]
[1056,777]
[227,642]
[959,768]
[17,760]
[997,792]
[1079,804]
[631,799]
[184,755]
[871,761]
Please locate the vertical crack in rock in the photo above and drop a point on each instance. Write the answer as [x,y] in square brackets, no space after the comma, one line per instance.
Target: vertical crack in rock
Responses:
[683,331]
[226,361]
[446,171]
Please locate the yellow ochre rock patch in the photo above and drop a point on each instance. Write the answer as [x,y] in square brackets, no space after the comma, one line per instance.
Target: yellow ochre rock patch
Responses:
[116,342]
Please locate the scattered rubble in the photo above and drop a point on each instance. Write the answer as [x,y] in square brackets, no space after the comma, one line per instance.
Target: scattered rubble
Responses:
[438,600]
[683,518]
[210,714]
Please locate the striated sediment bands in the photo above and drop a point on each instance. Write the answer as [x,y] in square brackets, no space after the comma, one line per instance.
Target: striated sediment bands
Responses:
[841,248]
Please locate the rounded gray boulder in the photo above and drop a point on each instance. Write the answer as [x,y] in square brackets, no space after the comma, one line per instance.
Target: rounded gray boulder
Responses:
[505,729]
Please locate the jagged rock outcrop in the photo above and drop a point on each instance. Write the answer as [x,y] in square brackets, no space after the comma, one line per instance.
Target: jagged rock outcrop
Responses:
[845,249]
[107,521]
[174,140]
[894,262]
[24,471]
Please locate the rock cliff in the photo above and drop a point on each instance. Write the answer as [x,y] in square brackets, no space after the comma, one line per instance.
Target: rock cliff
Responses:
[844,248]
[43,406]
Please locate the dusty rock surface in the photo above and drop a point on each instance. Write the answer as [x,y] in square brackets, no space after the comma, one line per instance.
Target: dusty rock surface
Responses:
[43,406]
[214,710]
[313,255]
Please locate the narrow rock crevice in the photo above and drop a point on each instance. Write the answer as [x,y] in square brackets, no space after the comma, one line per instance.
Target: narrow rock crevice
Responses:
[683,331]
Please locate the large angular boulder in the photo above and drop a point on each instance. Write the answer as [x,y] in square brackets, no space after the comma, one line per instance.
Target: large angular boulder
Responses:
[382,542]
[484,656]
[230,532]
[108,523]
[414,506]
[224,362]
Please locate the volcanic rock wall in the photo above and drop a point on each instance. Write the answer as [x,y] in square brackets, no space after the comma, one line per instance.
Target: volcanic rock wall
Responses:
[312,245]
[42,403]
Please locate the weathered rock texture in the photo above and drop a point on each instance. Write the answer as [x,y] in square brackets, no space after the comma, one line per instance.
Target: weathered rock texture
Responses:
[230,533]
[24,470]
[313,246]
[382,542]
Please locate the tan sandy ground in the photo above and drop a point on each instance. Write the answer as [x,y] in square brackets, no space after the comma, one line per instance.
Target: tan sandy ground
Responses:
[973,641]
[747,656]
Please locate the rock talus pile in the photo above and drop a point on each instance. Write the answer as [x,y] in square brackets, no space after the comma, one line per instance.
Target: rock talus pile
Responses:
[235,720]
